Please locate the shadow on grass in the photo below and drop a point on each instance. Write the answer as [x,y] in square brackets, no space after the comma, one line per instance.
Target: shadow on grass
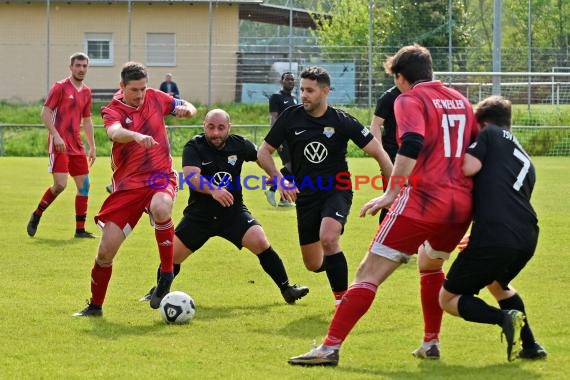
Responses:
[441,370]
[306,327]
[103,328]
[59,243]
[232,311]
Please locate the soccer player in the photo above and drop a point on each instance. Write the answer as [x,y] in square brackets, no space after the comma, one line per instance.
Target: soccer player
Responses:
[143,178]
[504,233]
[317,136]
[67,105]
[278,103]
[383,127]
[212,163]
[435,126]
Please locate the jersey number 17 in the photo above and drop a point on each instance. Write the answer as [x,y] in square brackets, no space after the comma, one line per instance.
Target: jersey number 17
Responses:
[453,121]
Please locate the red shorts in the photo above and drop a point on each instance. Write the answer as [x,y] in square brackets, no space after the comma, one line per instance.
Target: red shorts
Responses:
[125,207]
[75,165]
[400,236]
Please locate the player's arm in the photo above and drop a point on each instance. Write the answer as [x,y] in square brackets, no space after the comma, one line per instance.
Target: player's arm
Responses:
[376,127]
[182,108]
[122,135]
[471,165]
[264,158]
[202,185]
[374,148]
[90,137]
[48,119]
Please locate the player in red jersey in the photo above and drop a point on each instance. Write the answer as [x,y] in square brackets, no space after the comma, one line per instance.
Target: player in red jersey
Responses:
[67,104]
[435,126]
[143,178]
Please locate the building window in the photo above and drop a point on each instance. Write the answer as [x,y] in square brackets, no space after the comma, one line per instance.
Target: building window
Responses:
[99,48]
[161,49]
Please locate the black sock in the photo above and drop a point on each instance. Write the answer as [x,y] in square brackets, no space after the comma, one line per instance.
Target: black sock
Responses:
[273,266]
[175,271]
[516,303]
[337,271]
[273,188]
[474,309]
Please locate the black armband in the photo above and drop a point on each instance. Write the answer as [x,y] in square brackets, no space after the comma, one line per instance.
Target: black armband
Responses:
[411,145]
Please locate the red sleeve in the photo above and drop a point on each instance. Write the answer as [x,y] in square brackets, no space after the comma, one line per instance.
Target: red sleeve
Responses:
[166,101]
[409,115]
[54,96]
[110,117]
[87,107]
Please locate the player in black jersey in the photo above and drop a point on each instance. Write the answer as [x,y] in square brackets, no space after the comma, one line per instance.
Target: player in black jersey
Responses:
[212,164]
[504,232]
[317,136]
[383,127]
[278,103]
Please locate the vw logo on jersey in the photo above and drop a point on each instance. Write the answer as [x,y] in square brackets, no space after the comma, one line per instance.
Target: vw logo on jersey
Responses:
[222,179]
[232,159]
[315,152]
[328,131]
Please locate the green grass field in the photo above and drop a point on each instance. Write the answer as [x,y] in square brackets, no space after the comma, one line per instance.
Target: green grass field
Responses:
[243,329]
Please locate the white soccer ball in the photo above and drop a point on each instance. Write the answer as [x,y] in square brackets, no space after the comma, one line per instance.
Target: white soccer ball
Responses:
[177,307]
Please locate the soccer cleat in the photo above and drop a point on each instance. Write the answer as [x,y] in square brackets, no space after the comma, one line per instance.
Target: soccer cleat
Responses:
[534,353]
[286,203]
[147,296]
[322,355]
[82,234]
[162,289]
[109,188]
[90,311]
[33,224]
[270,195]
[293,293]
[428,350]
[512,325]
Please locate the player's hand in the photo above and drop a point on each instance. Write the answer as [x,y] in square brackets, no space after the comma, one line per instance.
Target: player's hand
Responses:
[288,190]
[187,110]
[463,243]
[58,143]
[374,205]
[223,197]
[145,141]
[92,156]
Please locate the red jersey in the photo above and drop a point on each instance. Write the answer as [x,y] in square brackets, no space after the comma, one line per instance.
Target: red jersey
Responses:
[445,119]
[69,106]
[131,163]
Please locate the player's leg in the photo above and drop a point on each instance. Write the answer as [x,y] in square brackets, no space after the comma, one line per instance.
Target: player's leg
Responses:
[334,259]
[161,211]
[470,272]
[113,237]
[255,240]
[373,270]
[81,199]
[59,163]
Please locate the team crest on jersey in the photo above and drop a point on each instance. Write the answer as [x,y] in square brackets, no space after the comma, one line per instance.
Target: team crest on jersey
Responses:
[328,131]
[128,121]
[232,159]
[365,131]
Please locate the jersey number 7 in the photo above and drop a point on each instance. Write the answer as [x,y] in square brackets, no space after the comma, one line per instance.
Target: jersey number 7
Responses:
[524,171]
[452,121]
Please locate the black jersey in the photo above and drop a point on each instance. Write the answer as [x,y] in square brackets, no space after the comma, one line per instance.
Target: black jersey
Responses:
[503,215]
[280,101]
[385,110]
[317,144]
[221,167]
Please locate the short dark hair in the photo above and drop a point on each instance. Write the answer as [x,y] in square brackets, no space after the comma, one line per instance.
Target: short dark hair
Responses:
[78,57]
[285,74]
[317,73]
[494,110]
[133,71]
[413,62]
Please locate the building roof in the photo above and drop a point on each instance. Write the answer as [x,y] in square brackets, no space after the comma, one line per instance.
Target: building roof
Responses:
[279,15]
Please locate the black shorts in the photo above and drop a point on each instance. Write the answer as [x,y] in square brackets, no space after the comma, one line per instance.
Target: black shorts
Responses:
[475,268]
[311,209]
[194,230]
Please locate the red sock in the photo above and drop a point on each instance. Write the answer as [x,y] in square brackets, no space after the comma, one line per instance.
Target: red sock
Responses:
[354,305]
[46,200]
[164,233]
[431,283]
[338,296]
[80,211]
[100,277]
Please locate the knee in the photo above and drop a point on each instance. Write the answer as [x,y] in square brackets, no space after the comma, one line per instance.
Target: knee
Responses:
[161,211]
[445,299]
[258,243]
[84,189]
[104,256]
[58,188]
[329,243]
